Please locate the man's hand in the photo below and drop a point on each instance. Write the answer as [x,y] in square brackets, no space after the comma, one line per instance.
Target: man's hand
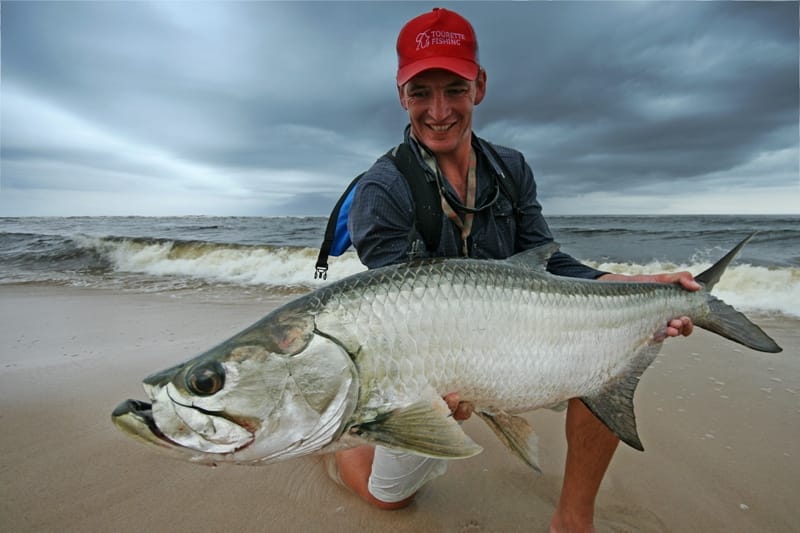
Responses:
[677,326]
[460,410]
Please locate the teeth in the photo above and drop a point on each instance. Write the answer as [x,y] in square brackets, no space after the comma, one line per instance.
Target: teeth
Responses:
[440,128]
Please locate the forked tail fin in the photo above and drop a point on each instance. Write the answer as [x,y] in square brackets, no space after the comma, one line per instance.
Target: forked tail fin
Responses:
[613,404]
[710,277]
[723,319]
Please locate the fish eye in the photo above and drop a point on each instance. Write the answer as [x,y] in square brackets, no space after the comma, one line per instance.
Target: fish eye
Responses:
[205,379]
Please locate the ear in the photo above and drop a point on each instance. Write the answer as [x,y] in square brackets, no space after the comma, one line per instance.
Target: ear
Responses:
[480,86]
[401,92]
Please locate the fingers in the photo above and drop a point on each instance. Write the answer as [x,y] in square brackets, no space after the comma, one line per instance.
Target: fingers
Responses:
[686,280]
[460,410]
[680,326]
[463,411]
[451,399]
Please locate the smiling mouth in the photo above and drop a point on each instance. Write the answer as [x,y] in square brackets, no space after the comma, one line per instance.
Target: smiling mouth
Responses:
[440,128]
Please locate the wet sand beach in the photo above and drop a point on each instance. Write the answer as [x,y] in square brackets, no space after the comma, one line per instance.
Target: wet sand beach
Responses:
[720,424]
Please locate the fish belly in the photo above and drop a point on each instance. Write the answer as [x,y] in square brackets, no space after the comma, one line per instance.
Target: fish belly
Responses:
[511,342]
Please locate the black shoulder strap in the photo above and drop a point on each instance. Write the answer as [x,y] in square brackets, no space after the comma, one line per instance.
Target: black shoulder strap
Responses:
[428,215]
[321,271]
[427,218]
[506,180]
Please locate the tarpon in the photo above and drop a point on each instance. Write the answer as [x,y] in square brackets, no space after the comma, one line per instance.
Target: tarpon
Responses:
[368,359]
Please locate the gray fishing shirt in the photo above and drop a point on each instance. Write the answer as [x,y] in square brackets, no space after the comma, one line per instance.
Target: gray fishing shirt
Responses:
[382,216]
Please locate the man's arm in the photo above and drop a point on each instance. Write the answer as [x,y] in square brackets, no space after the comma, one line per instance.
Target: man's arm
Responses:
[679,326]
[381,216]
[532,228]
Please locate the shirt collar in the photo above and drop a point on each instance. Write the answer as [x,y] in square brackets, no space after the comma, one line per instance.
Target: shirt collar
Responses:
[425,155]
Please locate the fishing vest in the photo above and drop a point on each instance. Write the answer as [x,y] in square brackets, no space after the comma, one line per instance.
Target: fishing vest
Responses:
[427,203]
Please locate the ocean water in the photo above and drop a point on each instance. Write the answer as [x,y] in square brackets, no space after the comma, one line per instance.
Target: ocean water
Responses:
[277,255]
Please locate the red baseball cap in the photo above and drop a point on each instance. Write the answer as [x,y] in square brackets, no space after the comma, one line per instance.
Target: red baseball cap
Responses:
[439,39]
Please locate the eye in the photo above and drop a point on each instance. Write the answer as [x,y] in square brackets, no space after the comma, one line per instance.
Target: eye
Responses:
[205,379]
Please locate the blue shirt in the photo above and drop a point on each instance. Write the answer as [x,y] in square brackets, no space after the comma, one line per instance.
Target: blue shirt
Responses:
[382,217]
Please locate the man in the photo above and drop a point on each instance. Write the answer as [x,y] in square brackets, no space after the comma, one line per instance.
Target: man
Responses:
[439,82]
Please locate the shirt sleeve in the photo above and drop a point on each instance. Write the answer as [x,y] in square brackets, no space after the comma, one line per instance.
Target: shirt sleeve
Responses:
[532,228]
[381,216]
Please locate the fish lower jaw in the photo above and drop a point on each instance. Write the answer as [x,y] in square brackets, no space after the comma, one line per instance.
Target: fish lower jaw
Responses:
[135,418]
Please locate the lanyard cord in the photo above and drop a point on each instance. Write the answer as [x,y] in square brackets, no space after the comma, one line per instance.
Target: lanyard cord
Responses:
[465,224]
[469,209]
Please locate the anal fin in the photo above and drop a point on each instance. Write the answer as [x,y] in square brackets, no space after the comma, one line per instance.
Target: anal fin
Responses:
[613,404]
[516,433]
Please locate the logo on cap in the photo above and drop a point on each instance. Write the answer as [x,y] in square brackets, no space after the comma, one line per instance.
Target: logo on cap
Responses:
[429,37]
[423,40]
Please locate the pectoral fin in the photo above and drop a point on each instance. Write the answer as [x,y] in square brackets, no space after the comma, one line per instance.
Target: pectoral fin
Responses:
[424,428]
[517,434]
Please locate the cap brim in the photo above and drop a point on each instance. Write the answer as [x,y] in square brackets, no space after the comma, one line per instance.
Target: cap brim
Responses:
[460,67]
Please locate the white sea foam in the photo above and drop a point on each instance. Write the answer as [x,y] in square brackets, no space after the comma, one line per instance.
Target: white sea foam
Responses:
[242,265]
[746,287]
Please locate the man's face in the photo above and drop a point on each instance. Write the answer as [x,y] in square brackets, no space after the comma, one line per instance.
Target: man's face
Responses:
[440,104]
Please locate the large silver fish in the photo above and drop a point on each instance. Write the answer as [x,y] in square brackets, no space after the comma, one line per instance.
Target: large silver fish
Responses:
[368,358]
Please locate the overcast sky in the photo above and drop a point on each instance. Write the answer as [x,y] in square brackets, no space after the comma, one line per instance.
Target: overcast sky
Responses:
[260,108]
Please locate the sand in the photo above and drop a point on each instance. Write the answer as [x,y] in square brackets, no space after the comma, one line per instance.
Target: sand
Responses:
[719,422]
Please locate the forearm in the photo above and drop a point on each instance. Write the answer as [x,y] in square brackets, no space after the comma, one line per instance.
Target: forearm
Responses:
[684,279]
[676,326]
[532,228]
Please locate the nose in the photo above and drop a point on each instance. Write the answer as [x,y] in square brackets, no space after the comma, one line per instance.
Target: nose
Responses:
[440,106]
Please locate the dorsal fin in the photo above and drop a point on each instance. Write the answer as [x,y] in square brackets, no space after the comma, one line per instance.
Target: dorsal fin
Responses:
[535,258]
[710,277]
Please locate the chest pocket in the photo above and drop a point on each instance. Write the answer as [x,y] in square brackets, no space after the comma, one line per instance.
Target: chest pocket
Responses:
[495,237]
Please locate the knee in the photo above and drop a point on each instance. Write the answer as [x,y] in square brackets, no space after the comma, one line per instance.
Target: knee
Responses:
[353,469]
[389,495]
[389,506]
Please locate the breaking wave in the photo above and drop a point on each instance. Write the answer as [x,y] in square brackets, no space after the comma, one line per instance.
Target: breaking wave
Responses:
[277,255]
[228,263]
[162,264]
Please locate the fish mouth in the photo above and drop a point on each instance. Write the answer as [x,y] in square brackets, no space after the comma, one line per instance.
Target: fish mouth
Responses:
[135,418]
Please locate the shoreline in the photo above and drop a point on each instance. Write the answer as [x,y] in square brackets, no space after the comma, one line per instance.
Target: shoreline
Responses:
[719,424]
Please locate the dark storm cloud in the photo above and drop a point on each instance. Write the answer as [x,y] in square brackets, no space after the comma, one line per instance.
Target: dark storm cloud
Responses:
[631,93]
[282,103]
